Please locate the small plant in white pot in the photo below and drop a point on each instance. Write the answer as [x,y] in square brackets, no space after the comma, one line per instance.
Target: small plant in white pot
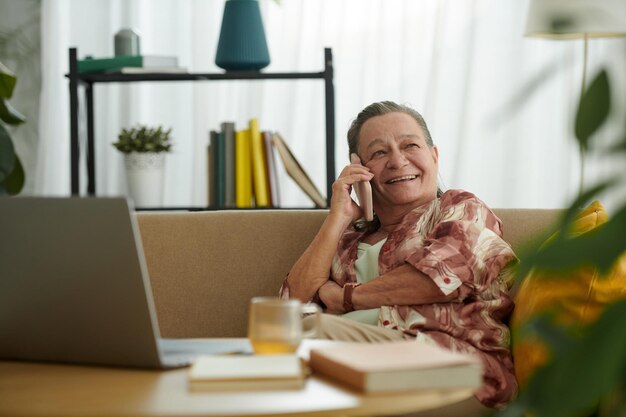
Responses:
[144,150]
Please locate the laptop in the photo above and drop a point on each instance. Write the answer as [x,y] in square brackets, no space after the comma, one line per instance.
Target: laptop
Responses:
[74,288]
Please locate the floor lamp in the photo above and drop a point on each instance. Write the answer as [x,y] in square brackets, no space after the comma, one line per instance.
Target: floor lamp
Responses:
[577,19]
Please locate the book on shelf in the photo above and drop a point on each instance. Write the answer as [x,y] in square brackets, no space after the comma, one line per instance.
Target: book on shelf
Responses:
[218,169]
[243,166]
[272,173]
[396,366]
[228,130]
[115,63]
[243,373]
[296,172]
[209,173]
[148,70]
[259,170]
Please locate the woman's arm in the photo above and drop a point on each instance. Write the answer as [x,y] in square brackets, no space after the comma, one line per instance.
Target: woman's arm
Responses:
[462,253]
[312,270]
[404,285]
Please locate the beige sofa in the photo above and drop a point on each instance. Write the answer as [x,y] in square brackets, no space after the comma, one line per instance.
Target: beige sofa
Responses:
[205,266]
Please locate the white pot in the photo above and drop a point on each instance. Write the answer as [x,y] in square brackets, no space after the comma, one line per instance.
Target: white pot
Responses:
[144,172]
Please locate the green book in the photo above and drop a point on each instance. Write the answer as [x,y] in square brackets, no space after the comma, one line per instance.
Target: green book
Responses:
[142,61]
[218,181]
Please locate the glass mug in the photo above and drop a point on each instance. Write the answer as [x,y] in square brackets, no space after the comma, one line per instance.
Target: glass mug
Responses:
[275,326]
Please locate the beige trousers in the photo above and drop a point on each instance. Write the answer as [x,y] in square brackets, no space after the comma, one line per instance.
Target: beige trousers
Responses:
[338,328]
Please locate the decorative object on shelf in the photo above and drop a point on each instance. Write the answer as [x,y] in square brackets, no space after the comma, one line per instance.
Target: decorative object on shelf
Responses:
[144,152]
[242,44]
[127,42]
[11,170]
[577,19]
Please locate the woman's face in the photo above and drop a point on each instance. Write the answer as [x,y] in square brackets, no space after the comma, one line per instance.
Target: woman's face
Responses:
[393,147]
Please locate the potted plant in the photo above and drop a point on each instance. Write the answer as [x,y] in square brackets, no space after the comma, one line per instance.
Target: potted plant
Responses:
[144,150]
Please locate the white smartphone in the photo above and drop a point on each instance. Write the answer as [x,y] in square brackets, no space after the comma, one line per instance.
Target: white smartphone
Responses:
[363,190]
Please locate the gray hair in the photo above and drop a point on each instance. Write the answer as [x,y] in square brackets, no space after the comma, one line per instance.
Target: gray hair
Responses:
[379,109]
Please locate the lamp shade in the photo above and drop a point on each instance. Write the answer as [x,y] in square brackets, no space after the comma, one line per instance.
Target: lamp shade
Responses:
[574,19]
[242,44]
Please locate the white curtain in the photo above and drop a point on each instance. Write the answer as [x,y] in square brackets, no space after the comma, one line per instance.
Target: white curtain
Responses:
[465,65]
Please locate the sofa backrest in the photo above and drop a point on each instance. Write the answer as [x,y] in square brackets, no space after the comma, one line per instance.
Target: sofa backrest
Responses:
[205,266]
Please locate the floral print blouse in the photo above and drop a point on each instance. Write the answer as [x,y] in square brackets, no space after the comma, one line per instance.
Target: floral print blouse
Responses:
[456,240]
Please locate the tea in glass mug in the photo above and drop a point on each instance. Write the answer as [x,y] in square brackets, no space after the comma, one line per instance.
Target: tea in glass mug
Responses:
[275,326]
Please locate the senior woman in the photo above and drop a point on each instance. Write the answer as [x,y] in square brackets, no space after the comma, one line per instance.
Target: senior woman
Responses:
[431,266]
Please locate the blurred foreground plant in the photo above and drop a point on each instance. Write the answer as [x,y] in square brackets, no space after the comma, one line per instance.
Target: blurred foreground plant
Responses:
[586,373]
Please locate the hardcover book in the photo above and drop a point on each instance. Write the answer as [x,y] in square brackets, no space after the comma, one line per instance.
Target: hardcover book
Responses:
[243,165]
[115,63]
[228,130]
[241,373]
[218,170]
[148,70]
[259,170]
[295,171]
[397,366]
[272,173]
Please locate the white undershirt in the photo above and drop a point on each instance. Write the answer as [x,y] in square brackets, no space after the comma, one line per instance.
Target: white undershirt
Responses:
[366,269]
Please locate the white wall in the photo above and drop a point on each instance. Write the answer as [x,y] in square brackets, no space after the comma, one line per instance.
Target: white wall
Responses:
[465,65]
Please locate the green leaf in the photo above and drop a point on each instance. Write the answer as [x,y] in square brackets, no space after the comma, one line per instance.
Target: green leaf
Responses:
[7,82]
[593,108]
[9,114]
[14,182]
[576,380]
[7,154]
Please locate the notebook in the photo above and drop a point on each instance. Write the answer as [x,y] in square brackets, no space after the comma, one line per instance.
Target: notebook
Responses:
[74,288]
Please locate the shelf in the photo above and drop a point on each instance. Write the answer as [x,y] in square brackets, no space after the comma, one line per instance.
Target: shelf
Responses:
[195,76]
[87,80]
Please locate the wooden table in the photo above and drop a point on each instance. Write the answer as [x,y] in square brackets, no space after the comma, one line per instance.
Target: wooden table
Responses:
[42,389]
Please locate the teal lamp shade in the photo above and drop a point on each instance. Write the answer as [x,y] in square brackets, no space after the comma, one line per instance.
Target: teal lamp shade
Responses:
[242,44]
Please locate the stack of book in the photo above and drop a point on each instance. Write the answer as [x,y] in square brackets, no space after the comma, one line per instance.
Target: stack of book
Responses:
[365,367]
[242,168]
[130,64]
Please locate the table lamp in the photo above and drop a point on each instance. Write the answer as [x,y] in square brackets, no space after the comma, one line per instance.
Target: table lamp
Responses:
[577,19]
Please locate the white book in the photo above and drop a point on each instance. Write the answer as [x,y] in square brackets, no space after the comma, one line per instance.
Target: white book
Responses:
[397,366]
[240,373]
[149,70]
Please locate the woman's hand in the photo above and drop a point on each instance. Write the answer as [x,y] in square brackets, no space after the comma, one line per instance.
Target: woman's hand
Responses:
[331,295]
[341,204]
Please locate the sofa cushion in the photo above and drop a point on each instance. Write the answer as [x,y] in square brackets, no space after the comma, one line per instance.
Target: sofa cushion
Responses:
[576,299]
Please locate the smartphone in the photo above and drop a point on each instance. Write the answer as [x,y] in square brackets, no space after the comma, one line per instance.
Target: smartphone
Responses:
[363,190]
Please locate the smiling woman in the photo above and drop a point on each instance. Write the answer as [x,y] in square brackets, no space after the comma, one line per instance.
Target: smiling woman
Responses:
[432,266]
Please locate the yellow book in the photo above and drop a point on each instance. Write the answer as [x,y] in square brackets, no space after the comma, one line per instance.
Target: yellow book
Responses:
[243,167]
[259,171]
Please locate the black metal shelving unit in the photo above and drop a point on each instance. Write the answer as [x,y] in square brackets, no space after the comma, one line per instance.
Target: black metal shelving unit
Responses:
[87,80]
